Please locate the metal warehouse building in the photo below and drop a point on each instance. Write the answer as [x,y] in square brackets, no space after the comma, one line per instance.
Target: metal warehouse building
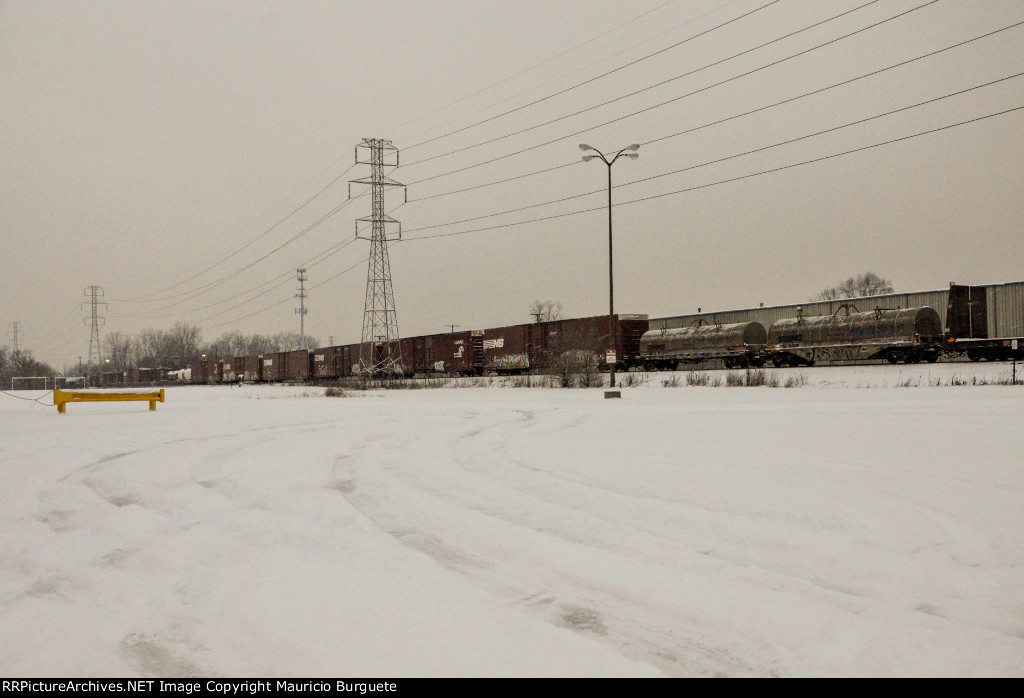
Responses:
[1004,309]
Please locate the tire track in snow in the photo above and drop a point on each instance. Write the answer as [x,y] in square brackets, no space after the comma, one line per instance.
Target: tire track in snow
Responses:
[460,510]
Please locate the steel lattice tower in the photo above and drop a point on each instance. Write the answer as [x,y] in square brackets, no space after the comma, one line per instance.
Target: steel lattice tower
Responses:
[15,345]
[379,353]
[94,293]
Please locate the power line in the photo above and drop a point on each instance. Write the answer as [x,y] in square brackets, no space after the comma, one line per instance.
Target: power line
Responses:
[281,280]
[723,181]
[282,302]
[646,89]
[762,108]
[675,99]
[548,60]
[723,159]
[734,116]
[596,78]
[198,292]
[144,299]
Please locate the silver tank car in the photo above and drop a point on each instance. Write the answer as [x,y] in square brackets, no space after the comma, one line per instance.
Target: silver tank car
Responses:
[903,334]
[737,344]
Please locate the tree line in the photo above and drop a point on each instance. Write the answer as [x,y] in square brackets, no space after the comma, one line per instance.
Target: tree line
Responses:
[183,344]
[19,364]
[171,349]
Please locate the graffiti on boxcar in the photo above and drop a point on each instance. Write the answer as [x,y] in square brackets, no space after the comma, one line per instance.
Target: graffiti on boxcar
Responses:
[512,362]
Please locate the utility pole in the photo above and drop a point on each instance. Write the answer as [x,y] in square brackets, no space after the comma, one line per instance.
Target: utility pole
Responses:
[379,353]
[93,294]
[453,327]
[301,310]
[15,346]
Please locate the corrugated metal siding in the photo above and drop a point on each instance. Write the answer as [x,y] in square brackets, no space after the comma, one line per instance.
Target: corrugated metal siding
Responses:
[1006,310]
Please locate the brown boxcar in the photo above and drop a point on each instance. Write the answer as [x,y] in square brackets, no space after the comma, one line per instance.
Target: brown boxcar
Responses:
[322,364]
[286,366]
[237,369]
[148,376]
[272,367]
[252,368]
[297,364]
[331,363]
[206,372]
[517,348]
[450,353]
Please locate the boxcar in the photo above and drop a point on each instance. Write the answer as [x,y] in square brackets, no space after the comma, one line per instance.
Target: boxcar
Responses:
[206,372]
[286,366]
[537,345]
[450,353]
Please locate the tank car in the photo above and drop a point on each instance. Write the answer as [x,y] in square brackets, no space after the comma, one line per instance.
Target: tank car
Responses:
[738,345]
[903,334]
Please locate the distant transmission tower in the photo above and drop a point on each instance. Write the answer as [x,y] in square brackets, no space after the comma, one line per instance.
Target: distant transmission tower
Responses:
[93,294]
[301,310]
[15,346]
[379,353]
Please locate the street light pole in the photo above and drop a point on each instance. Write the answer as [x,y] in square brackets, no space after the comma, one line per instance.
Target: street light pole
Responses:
[629,152]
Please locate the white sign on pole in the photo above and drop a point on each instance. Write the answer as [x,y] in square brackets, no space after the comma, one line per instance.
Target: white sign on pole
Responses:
[609,356]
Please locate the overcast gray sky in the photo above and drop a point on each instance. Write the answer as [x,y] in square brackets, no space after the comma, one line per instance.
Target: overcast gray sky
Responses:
[143,142]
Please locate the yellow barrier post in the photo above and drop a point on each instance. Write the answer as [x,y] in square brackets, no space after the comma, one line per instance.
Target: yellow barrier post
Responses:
[61,398]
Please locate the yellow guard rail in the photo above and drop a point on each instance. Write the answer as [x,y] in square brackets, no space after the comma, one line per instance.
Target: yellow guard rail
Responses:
[61,398]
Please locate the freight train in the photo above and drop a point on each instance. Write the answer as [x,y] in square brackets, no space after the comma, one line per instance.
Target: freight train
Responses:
[509,350]
[849,334]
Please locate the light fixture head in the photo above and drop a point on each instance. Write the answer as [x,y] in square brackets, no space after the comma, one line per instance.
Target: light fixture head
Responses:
[635,147]
[584,146]
[588,158]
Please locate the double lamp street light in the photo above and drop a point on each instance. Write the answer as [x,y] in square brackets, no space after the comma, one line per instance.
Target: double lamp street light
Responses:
[629,152]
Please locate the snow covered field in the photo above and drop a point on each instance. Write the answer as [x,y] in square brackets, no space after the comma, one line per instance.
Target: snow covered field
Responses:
[847,527]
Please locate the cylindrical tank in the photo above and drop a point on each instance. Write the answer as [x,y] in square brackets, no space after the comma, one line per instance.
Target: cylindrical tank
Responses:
[751,335]
[857,328]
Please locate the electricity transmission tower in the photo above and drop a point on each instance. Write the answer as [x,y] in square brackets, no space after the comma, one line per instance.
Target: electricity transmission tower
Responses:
[379,353]
[15,346]
[301,310]
[94,293]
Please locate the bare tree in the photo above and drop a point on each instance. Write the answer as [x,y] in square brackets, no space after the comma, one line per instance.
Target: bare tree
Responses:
[20,365]
[121,351]
[545,311]
[183,341]
[867,284]
[286,341]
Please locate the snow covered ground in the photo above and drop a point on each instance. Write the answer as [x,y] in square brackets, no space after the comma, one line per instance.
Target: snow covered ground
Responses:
[846,527]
